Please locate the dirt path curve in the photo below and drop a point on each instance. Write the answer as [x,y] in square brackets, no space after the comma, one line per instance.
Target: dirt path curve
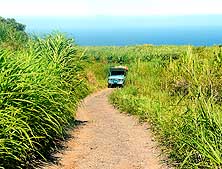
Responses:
[108,140]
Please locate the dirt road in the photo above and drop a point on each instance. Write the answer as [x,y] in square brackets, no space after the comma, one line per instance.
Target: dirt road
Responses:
[108,140]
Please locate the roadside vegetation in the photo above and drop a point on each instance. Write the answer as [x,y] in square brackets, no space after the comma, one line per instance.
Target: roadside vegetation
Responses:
[177,89]
[41,84]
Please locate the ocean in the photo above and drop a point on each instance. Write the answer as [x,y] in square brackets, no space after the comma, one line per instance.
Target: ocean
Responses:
[121,31]
[197,36]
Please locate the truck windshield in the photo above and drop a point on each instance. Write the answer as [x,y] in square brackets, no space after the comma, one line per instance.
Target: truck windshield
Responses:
[114,73]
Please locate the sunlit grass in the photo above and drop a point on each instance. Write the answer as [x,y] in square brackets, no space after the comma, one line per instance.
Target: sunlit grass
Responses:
[40,87]
[178,90]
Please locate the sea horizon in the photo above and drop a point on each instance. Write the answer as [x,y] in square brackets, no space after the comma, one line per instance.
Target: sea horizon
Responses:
[197,30]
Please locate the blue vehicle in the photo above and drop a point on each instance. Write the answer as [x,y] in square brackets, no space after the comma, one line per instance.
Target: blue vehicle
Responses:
[117,76]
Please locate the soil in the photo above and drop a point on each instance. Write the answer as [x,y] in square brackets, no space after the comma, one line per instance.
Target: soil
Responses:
[108,139]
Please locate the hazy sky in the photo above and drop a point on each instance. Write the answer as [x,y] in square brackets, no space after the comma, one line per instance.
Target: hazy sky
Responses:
[15,8]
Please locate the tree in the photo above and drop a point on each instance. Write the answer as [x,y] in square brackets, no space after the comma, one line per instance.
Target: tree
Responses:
[12,33]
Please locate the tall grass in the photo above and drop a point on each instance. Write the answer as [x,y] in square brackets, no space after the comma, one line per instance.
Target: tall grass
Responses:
[178,90]
[131,54]
[40,87]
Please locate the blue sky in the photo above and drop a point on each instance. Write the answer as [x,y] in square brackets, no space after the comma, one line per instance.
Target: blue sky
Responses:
[16,8]
[110,22]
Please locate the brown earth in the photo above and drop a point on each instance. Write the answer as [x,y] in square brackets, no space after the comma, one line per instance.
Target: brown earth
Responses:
[108,140]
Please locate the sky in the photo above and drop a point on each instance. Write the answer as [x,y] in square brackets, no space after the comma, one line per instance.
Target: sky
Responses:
[16,8]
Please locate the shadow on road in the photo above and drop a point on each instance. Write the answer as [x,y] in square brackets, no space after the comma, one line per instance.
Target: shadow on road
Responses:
[59,146]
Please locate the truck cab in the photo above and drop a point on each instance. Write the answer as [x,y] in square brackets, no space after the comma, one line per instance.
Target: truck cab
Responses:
[117,76]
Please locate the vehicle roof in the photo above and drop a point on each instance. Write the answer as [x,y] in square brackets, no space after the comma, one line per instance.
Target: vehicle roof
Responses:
[119,68]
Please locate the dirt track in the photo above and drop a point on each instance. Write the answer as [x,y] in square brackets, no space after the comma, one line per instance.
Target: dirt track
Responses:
[108,140]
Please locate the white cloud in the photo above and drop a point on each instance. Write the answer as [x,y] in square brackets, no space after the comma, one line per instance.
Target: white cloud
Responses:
[108,7]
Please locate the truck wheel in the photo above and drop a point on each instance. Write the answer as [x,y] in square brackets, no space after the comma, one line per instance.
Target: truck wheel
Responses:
[109,86]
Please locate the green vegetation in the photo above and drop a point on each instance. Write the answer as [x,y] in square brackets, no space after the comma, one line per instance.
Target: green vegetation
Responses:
[178,91]
[41,84]
[40,87]
[12,34]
